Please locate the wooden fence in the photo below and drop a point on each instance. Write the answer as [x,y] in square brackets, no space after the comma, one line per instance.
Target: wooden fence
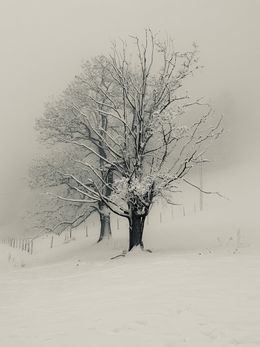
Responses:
[25,245]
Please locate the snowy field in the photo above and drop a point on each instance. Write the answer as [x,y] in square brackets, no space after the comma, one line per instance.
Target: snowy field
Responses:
[200,287]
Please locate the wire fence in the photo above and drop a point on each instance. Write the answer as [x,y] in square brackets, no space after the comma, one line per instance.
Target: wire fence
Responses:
[161,216]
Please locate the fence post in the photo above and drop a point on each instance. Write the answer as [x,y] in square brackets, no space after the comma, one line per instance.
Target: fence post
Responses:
[52,241]
[201,184]
[31,246]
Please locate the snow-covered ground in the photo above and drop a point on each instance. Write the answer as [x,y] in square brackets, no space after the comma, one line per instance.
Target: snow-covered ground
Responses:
[200,287]
[144,300]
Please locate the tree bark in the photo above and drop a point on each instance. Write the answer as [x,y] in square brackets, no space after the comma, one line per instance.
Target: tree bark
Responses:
[105,226]
[136,228]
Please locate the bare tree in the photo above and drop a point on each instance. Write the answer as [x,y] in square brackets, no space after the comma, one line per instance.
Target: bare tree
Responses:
[147,133]
[46,213]
[64,121]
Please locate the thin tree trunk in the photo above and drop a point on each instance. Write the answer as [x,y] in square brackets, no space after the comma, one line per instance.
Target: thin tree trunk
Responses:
[105,225]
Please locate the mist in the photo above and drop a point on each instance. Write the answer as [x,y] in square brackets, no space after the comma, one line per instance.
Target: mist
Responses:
[44,43]
[123,250]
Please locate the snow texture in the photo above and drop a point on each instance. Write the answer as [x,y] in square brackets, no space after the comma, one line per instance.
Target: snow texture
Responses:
[199,288]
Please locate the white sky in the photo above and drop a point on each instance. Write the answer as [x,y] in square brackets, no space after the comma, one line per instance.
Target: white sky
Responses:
[44,41]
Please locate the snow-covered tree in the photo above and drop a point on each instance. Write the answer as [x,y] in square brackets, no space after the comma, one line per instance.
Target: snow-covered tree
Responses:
[64,121]
[148,133]
[44,212]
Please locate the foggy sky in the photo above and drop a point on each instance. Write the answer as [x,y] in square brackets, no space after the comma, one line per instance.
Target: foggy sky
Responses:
[43,43]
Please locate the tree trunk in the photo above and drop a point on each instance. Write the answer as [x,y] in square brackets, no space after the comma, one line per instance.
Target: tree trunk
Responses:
[136,228]
[105,226]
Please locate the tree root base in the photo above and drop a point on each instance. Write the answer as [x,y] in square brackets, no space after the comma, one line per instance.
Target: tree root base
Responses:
[124,253]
